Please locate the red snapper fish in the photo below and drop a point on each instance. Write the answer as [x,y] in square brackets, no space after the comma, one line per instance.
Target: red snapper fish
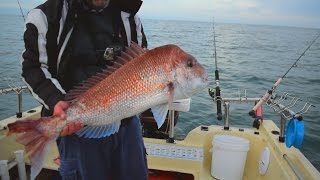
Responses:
[139,79]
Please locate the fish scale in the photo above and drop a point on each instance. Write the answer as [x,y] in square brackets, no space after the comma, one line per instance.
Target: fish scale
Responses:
[128,87]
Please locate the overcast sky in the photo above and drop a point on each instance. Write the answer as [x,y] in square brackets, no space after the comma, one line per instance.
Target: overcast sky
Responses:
[301,13]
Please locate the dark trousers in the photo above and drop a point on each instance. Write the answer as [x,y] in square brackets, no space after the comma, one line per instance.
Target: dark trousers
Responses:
[121,156]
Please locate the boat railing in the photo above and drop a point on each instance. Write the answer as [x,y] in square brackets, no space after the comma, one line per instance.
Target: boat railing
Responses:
[6,165]
[293,167]
[18,90]
[277,104]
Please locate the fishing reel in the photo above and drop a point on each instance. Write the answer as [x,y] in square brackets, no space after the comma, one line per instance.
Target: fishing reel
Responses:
[211,92]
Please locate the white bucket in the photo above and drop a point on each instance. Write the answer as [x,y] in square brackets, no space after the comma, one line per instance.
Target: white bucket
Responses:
[228,157]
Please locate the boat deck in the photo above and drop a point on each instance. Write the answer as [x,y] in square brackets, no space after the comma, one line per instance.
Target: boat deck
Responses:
[193,155]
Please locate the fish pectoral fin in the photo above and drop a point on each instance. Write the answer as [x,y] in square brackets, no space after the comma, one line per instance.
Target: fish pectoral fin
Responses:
[160,113]
[99,131]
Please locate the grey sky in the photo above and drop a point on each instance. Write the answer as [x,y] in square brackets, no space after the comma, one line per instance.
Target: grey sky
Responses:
[273,12]
[301,13]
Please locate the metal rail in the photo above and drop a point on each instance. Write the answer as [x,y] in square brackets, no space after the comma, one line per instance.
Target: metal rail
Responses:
[275,103]
[226,104]
[18,90]
[285,111]
[171,130]
[294,169]
[12,89]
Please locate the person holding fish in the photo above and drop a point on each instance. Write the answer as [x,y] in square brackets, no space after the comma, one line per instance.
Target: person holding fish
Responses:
[92,99]
[66,43]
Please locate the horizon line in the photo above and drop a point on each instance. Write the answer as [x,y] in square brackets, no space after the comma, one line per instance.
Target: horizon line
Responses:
[18,13]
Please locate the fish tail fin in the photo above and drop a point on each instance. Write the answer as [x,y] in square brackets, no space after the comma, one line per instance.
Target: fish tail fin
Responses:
[37,138]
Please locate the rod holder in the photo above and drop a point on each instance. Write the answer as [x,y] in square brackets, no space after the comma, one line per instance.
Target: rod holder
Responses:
[21,164]
[282,129]
[171,127]
[19,113]
[226,106]
[286,112]
[18,90]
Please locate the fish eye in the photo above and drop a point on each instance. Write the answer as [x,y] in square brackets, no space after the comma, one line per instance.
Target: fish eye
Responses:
[189,63]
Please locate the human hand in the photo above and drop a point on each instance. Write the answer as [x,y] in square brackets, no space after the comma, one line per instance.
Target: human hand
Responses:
[70,128]
[59,109]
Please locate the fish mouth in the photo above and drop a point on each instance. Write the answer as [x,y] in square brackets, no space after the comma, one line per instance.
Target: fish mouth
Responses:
[199,88]
[203,83]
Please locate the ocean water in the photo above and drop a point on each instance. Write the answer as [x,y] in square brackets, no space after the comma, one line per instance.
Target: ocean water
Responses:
[250,59]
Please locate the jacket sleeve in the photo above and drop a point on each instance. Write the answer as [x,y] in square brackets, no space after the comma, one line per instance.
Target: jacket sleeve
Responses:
[45,88]
[142,40]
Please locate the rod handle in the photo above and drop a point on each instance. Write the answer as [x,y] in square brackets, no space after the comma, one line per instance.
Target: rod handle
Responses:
[264,98]
[277,83]
[219,111]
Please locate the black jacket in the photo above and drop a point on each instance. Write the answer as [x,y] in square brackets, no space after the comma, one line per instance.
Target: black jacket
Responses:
[47,33]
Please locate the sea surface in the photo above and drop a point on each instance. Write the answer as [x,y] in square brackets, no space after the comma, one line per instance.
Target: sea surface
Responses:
[250,59]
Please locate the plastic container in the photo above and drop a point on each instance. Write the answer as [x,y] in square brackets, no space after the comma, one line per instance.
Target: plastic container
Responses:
[294,133]
[229,157]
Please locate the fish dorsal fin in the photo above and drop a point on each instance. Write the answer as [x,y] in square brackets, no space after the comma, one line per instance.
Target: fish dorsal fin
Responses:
[130,53]
[127,55]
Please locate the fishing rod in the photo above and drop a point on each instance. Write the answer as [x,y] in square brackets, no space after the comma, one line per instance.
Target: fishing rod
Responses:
[276,84]
[21,10]
[216,72]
